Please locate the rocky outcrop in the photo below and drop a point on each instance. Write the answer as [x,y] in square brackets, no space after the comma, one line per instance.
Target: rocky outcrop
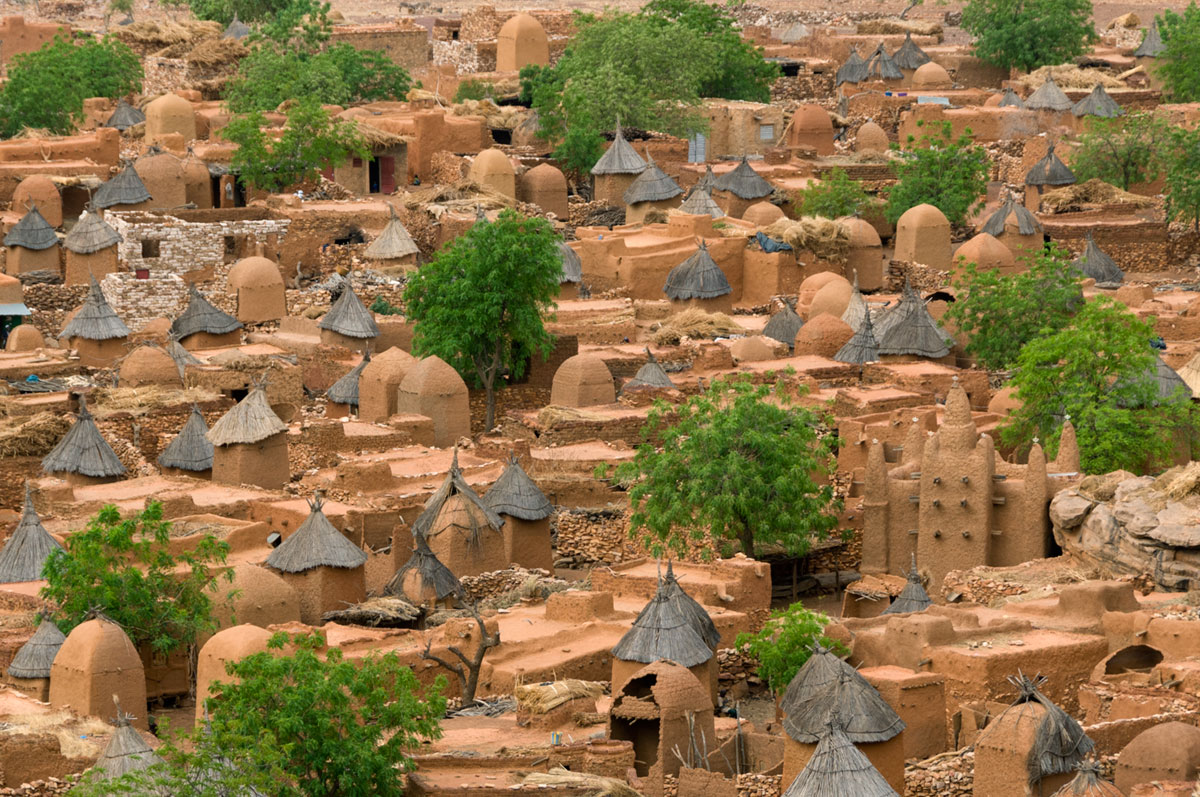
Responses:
[1134,525]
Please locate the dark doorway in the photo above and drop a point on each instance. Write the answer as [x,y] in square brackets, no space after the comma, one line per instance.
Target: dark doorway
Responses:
[373,183]
[501,136]
[352,236]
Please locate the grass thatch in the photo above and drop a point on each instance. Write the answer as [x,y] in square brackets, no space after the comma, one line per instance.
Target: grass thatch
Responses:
[375,137]
[895,27]
[1093,192]
[694,323]
[825,238]
[145,399]
[164,33]
[32,437]
[544,698]
[553,415]
[464,194]
[383,612]
[599,786]
[1068,76]
[217,52]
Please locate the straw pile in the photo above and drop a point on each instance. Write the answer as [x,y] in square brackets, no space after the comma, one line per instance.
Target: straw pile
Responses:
[382,612]
[894,27]
[464,194]
[141,400]
[216,52]
[598,786]
[1093,192]
[1068,76]
[825,238]
[544,698]
[1180,482]
[694,323]
[553,415]
[164,33]
[499,117]
[34,437]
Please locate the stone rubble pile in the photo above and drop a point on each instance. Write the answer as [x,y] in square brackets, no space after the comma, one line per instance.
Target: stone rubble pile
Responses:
[947,775]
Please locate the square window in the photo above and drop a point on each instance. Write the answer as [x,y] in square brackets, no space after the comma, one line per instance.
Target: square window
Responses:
[149,249]
[358,163]
[766,132]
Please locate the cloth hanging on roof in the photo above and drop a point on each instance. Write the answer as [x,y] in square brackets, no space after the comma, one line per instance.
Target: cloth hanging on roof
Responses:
[770,245]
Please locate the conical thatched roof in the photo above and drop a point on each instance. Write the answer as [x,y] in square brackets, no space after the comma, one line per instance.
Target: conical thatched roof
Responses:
[91,234]
[1152,45]
[26,550]
[316,544]
[436,579]
[1167,382]
[910,56]
[690,608]
[126,188]
[867,715]
[910,329]
[32,232]
[394,242]
[1190,374]
[35,657]
[853,71]
[182,357]
[454,484]
[862,348]
[856,309]
[913,598]
[202,316]
[345,390]
[620,158]
[1098,103]
[572,265]
[1095,263]
[880,65]
[1011,100]
[652,185]
[516,495]
[700,203]
[250,421]
[698,277]
[1088,783]
[651,374]
[349,317]
[838,769]
[1027,223]
[1060,744]
[784,325]
[744,183]
[124,116]
[126,751]
[190,450]
[1048,97]
[1050,170]
[96,320]
[84,450]
[707,181]
[236,29]
[663,631]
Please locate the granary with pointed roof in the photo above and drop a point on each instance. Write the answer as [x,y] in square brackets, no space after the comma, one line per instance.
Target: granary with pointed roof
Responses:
[324,566]
[30,668]
[124,116]
[1014,226]
[907,330]
[202,325]
[91,249]
[125,191]
[913,598]
[394,246]
[783,325]
[1094,263]
[83,456]
[29,546]
[909,57]
[616,170]
[250,443]
[1049,172]
[424,581]
[1152,45]
[32,245]
[862,348]
[1099,104]
[1048,97]
[653,189]
[189,453]
[740,188]
[461,529]
[853,70]
[341,399]
[700,203]
[526,511]
[95,331]
[348,323]
[699,281]
[837,768]
[651,376]
[126,750]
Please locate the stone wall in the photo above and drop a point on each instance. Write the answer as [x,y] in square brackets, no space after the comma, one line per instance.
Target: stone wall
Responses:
[408,47]
[137,301]
[164,75]
[463,56]
[50,305]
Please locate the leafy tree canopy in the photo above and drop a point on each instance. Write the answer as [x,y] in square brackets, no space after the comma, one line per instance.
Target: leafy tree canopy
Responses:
[309,142]
[46,88]
[949,173]
[740,463]
[247,11]
[1028,34]
[1123,151]
[479,303]
[124,568]
[1179,63]
[786,642]
[1183,177]
[1099,371]
[836,195]
[1000,313]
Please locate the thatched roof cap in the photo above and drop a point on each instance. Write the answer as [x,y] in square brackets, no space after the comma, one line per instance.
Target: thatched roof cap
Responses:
[126,751]
[1048,97]
[191,449]
[454,484]
[250,421]
[1011,100]
[651,374]
[345,390]
[1152,45]
[882,66]
[572,265]
[202,316]
[744,183]
[316,544]
[698,277]
[1060,744]
[32,232]
[910,329]
[862,347]
[701,203]
[437,580]
[26,550]
[516,495]
[1098,103]
[856,308]
[35,657]
[1050,170]
[652,185]
[349,317]
[707,181]
[1027,223]
[690,608]
[236,29]
[1094,262]
[126,188]
[394,242]
[867,715]
[84,450]
[124,116]
[854,70]
[910,56]
[838,768]
[620,158]
[913,598]
[96,320]
[1088,783]
[663,631]
[91,234]
[784,325]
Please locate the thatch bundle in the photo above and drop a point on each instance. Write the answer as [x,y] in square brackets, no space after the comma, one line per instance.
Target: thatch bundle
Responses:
[544,698]
[1089,783]
[1060,743]
[145,399]
[32,437]
[913,598]
[216,52]
[382,612]
[462,195]
[164,33]
[825,238]
[377,138]
[599,786]
[498,117]
[1093,192]
[694,323]
[894,27]
[1068,76]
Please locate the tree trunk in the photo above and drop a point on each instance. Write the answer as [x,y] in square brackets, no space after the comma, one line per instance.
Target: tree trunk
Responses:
[746,539]
[490,421]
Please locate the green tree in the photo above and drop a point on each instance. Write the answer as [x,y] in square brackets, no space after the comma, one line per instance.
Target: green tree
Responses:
[248,11]
[1123,151]
[1179,63]
[1028,34]
[1000,313]
[310,141]
[739,462]
[472,89]
[785,643]
[950,174]
[1098,371]
[479,303]
[46,88]
[837,194]
[124,568]
[1183,178]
